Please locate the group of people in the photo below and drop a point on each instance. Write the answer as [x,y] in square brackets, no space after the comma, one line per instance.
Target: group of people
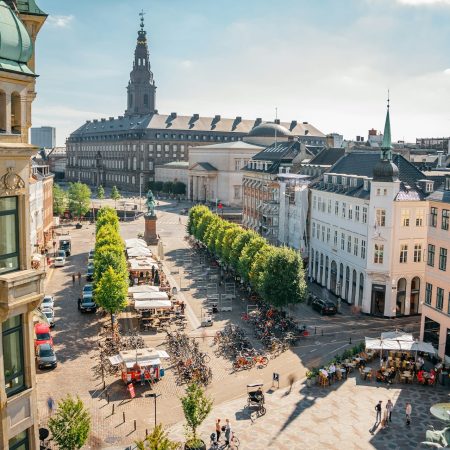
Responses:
[386,418]
[225,429]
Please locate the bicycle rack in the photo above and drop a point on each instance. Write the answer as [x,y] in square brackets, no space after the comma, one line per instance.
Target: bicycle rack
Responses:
[230,288]
[251,308]
[226,302]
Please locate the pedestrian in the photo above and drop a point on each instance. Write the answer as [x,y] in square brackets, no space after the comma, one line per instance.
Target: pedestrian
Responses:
[218,429]
[227,432]
[79,277]
[378,410]
[73,279]
[408,411]
[291,379]
[179,220]
[389,408]
[384,422]
[50,405]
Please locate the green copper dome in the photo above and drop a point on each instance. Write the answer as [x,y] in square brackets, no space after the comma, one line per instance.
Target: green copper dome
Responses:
[16,47]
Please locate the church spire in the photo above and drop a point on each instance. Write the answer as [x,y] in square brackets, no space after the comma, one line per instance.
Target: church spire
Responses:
[141,88]
[386,146]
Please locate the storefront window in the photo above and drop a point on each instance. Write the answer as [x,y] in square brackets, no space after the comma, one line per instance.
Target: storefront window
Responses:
[431,332]
[9,235]
[13,361]
[19,442]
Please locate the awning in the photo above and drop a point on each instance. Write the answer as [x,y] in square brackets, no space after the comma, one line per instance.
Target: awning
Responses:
[397,335]
[138,251]
[144,363]
[129,243]
[143,356]
[36,257]
[150,296]
[140,305]
[399,345]
[142,288]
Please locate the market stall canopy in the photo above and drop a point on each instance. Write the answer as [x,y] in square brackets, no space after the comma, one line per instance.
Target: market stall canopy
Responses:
[142,356]
[142,288]
[130,243]
[140,305]
[150,296]
[399,345]
[142,263]
[138,251]
[397,335]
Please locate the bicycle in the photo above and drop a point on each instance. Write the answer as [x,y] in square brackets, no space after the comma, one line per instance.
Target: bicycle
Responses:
[234,442]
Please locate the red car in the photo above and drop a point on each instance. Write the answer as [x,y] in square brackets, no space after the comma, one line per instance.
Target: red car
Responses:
[42,335]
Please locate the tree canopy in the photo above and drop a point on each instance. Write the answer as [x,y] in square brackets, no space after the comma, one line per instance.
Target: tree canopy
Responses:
[79,199]
[111,291]
[115,194]
[100,192]
[60,200]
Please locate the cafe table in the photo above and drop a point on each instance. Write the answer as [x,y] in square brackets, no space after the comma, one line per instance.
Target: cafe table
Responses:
[441,411]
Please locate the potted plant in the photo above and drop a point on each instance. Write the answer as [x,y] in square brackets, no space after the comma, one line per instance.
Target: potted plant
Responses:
[196,406]
[158,439]
[311,377]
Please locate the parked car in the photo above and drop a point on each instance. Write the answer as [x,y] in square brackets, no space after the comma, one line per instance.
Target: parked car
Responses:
[91,253]
[88,289]
[90,273]
[61,253]
[48,302]
[49,313]
[46,357]
[86,303]
[42,334]
[59,261]
[324,306]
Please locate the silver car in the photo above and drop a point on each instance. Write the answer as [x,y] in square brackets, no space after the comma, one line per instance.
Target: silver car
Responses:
[50,314]
[46,357]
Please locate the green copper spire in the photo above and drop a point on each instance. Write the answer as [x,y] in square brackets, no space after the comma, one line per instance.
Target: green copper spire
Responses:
[386,145]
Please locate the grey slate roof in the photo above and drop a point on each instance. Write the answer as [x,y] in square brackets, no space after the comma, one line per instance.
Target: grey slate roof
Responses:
[170,122]
[205,165]
[327,157]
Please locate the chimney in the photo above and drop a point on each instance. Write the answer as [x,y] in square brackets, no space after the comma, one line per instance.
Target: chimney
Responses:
[173,115]
[217,118]
[293,125]
[103,120]
[257,121]
[195,117]
[439,153]
[277,121]
[111,118]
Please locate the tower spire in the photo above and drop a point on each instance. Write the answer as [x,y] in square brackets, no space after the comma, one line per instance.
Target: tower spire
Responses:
[386,146]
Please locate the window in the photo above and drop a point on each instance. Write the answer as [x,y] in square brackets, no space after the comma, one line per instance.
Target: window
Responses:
[314,202]
[420,214]
[403,253]
[336,208]
[381,217]
[439,298]
[445,217]
[314,229]
[405,217]
[379,254]
[363,249]
[237,192]
[355,246]
[335,238]
[328,234]
[417,252]
[329,207]
[9,236]
[19,442]
[433,217]
[378,191]
[442,259]
[428,293]
[13,360]
[342,241]
[350,212]
[364,214]
[323,233]
[384,191]
[349,244]
[237,164]
[357,213]
[344,209]
[431,253]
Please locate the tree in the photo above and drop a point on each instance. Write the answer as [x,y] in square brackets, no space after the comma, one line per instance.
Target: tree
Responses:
[107,216]
[71,424]
[209,238]
[259,266]
[158,439]
[100,192]
[230,235]
[151,186]
[79,199]
[115,195]
[203,224]
[196,407]
[59,200]
[107,235]
[111,291]
[179,188]
[109,255]
[158,186]
[224,226]
[248,254]
[285,282]
[238,245]
[168,187]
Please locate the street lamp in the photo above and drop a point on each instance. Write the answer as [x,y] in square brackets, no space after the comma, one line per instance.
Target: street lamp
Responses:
[338,293]
[155,396]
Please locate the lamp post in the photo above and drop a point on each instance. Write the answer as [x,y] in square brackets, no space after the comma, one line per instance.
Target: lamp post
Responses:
[154,396]
[338,293]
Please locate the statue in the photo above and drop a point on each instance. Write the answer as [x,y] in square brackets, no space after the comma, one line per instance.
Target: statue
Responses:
[150,204]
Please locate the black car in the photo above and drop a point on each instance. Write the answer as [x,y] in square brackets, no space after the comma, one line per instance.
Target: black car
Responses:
[324,306]
[90,273]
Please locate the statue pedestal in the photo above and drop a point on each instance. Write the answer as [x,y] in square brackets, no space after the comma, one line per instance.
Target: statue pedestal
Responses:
[150,235]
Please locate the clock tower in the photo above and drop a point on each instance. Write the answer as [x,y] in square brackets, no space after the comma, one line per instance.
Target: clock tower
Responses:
[141,87]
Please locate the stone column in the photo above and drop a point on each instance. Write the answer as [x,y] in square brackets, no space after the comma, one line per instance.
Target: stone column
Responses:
[150,235]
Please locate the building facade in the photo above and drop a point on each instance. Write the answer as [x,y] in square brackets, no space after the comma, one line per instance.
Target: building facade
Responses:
[435,321]
[368,231]
[215,172]
[21,288]
[124,151]
[43,137]
[173,171]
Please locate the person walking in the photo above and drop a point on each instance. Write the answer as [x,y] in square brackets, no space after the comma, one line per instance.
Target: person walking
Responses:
[218,430]
[50,405]
[378,410]
[227,432]
[79,277]
[73,279]
[389,408]
[408,411]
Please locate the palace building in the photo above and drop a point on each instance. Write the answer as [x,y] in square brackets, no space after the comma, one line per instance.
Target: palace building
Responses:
[124,150]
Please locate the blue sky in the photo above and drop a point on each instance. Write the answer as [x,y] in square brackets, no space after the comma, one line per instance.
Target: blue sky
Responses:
[329,62]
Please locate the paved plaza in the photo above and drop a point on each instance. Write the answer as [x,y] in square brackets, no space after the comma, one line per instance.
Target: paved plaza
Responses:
[335,417]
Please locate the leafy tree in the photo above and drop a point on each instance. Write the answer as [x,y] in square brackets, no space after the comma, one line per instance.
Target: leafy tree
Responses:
[109,255]
[209,238]
[158,186]
[248,254]
[79,199]
[224,226]
[238,245]
[230,235]
[107,235]
[158,439]
[71,424]
[100,192]
[196,407]
[107,216]
[259,266]
[167,187]
[285,282]
[202,225]
[59,200]
[151,186]
[115,195]
[179,188]
[111,291]
[196,213]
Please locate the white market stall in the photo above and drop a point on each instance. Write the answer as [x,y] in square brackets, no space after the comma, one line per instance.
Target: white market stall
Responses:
[138,251]
[134,242]
[147,305]
[142,288]
[150,296]
[404,343]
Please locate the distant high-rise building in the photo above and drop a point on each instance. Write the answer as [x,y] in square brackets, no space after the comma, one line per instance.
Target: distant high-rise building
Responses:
[43,137]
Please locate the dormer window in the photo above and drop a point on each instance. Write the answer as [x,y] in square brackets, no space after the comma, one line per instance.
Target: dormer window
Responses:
[429,186]
[344,181]
[334,179]
[366,185]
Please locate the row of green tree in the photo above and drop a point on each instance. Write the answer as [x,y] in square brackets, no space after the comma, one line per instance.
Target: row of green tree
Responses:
[77,199]
[111,279]
[275,273]
[169,187]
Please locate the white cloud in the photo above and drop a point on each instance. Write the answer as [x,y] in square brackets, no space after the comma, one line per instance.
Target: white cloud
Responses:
[424,2]
[447,71]
[60,21]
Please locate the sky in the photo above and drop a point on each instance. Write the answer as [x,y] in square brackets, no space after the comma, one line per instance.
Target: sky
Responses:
[327,62]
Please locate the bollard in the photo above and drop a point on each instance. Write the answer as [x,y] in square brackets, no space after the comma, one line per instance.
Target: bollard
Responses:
[350,340]
[134,424]
[107,397]
[113,410]
[104,385]
[146,432]
[123,417]
[315,330]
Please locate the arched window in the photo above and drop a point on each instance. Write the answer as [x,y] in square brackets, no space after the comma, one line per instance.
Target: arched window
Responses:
[321,269]
[16,113]
[333,283]
[401,296]
[415,295]
[347,282]
[327,260]
[130,100]
[134,163]
[316,272]
[146,99]
[2,112]
[341,278]
[354,286]
[361,289]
